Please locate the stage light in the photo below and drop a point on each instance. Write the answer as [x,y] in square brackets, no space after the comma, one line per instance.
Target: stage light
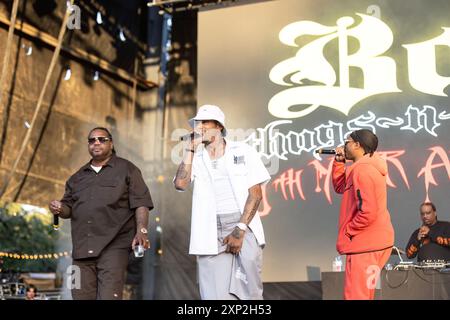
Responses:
[99,18]
[68,74]
[159,229]
[122,35]
[28,50]
[70,7]
[96,75]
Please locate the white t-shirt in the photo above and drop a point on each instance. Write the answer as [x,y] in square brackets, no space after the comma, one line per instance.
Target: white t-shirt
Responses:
[96,169]
[225,199]
[245,169]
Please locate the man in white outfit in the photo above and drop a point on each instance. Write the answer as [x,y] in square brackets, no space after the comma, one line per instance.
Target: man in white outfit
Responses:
[226,231]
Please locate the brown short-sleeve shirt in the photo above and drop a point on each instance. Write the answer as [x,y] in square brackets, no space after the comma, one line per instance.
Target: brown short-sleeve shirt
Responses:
[103,206]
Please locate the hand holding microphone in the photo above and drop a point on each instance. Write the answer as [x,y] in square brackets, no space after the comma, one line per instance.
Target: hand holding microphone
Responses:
[340,155]
[190,136]
[326,151]
[55,208]
[193,139]
[423,232]
[338,152]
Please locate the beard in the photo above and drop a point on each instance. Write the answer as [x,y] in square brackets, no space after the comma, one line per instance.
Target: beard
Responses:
[348,155]
[103,154]
[208,140]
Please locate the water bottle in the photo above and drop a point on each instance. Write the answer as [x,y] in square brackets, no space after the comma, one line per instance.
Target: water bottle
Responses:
[337,264]
[139,251]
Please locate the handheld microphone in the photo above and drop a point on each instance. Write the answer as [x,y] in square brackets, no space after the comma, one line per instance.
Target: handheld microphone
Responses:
[326,151]
[55,222]
[190,136]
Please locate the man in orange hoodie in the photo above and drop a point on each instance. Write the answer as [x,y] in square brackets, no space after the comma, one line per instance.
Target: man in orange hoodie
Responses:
[365,234]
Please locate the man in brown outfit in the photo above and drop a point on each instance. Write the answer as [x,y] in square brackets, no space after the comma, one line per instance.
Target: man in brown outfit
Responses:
[108,204]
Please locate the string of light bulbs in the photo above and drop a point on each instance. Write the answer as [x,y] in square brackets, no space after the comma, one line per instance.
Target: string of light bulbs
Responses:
[42,256]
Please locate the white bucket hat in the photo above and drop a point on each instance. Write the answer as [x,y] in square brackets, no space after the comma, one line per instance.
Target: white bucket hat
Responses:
[209,112]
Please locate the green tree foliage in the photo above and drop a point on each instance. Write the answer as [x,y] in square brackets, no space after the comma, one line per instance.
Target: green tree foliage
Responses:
[25,232]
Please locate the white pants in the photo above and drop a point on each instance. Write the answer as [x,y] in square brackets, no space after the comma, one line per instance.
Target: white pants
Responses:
[226,276]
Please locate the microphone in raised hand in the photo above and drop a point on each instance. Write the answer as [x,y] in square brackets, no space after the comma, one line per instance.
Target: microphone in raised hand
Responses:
[326,151]
[190,136]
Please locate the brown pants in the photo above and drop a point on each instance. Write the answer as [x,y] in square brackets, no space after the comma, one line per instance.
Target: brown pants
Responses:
[103,277]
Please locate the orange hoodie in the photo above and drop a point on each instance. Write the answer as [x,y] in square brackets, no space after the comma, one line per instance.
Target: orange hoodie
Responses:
[364,220]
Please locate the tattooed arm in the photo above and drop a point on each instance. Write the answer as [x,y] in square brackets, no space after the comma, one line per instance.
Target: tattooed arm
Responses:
[236,238]
[183,176]
[251,206]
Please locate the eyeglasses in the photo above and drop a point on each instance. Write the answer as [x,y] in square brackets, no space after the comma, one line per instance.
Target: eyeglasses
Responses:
[348,141]
[99,139]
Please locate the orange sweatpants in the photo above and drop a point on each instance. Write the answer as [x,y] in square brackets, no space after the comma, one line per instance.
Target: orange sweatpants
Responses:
[362,271]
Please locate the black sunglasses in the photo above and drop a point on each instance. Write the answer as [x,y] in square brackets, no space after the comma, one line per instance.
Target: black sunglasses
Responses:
[99,139]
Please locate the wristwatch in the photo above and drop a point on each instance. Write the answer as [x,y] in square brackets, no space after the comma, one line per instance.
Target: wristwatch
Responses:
[242,226]
[144,230]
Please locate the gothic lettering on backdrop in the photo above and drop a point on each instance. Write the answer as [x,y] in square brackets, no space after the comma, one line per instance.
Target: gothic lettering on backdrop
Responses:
[379,71]
[311,83]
